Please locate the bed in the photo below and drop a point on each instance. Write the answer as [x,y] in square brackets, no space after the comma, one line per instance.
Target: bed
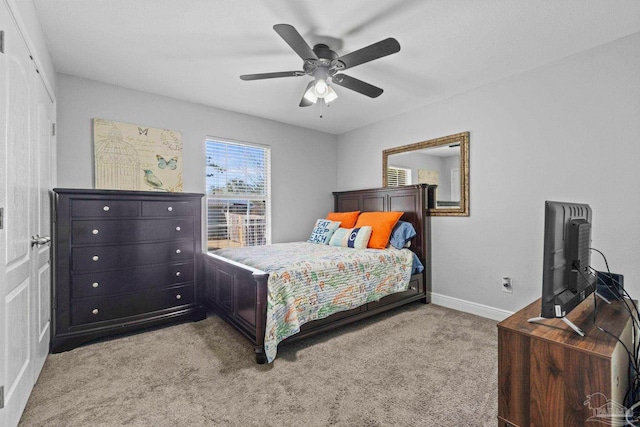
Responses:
[237,292]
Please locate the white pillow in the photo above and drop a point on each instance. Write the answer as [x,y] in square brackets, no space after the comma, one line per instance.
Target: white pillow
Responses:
[356,238]
[322,231]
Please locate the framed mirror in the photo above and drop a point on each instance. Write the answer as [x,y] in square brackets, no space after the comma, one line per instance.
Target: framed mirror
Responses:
[443,162]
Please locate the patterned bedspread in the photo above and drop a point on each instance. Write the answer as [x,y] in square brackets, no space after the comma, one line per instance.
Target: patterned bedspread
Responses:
[308,281]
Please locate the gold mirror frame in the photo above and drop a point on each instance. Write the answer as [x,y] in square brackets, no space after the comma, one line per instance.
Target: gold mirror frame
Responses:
[459,138]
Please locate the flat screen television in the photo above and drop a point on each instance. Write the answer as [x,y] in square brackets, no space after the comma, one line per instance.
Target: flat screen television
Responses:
[567,278]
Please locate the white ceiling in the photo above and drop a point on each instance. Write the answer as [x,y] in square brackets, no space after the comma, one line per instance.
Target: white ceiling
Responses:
[196,50]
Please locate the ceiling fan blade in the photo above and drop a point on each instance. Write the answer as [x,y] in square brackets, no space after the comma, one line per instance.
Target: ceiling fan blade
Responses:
[304,102]
[356,85]
[272,75]
[377,50]
[295,40]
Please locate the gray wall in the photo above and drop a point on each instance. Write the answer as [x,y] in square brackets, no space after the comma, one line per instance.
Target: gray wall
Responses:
[567,131]
[302,161]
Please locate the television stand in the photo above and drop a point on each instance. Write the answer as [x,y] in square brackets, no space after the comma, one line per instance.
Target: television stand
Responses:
[547,373]
[565,320]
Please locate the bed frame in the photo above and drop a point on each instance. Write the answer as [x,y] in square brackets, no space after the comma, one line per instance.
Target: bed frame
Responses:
[238,293]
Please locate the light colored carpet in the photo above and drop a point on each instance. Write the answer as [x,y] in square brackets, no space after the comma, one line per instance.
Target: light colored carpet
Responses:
[418,365]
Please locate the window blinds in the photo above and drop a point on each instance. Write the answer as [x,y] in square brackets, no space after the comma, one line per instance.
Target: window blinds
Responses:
[397,176]
[238,194]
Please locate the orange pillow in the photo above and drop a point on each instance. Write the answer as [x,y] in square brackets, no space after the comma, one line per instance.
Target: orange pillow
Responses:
[347,219]
[382,224]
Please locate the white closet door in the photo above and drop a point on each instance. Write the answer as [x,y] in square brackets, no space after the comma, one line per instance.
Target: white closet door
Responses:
[24,269]
[4,84]
[44,115]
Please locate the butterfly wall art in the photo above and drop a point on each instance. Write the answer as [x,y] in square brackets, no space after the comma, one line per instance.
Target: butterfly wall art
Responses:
[134,157]
[164,164]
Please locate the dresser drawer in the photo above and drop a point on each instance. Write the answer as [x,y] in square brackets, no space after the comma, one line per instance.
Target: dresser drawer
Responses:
[110,257]
[104,208]
[167,208]
[133,279]
[99,309]
[130,230]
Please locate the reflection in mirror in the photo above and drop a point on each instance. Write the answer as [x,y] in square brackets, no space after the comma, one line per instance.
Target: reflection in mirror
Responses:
[442,162]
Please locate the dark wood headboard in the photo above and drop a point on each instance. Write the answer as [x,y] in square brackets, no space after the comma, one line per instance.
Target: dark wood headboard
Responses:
[410,199]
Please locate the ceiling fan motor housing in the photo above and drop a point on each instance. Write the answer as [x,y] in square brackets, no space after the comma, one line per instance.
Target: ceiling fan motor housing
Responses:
[326,65]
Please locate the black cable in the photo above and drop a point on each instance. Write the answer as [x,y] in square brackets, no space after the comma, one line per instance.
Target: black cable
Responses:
[595,314]
[618,287]
[630,355]
[622,298]
[618,290]
[624,291]
[634,359]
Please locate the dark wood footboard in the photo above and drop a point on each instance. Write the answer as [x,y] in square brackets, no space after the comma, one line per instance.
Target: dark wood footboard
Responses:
[238,293]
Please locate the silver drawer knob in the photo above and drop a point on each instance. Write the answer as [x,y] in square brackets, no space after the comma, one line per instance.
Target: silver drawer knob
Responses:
[94,311]
[178,274]
[170,209]
[106,208]
[177,228]
[178,251]
[178,296]
[95,258]
[95,231]
[95,284]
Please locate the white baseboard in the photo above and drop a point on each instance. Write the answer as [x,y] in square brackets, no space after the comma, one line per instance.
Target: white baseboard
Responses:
[470,307]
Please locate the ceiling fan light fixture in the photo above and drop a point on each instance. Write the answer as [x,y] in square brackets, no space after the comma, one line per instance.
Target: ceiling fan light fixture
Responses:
[321,87]
[320,90]
[331,95]
[310,95]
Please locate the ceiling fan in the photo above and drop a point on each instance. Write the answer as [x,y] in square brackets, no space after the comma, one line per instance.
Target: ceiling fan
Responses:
[324,65]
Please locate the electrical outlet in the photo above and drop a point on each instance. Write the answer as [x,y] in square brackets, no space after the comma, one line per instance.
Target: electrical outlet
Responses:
[507,285]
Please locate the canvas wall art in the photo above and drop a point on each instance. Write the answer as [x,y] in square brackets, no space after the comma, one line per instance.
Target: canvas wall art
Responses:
[133,157]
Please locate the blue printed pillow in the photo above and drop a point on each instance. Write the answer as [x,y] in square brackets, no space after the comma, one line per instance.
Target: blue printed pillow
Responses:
[402,233]
[356,238]
[322,231]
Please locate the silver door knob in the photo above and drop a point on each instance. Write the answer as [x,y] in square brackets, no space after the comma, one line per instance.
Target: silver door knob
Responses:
[37,240]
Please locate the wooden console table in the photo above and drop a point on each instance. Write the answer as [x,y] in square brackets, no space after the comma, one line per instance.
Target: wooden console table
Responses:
[547,372]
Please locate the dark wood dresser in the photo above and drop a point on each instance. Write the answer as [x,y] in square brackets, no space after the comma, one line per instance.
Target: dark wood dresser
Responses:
[548,375]
[123,260]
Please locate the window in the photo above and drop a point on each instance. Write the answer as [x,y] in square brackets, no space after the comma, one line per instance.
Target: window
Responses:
[398,176]
[238,194]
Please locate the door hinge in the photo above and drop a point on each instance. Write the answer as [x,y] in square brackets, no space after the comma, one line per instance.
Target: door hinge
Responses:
[1,396]
[1,218]
[1,41]
[53,129]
